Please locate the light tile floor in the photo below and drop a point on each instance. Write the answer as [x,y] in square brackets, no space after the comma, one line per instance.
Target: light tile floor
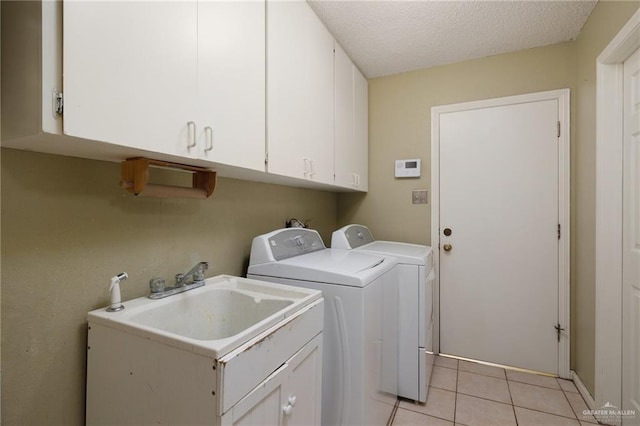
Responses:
[471,394]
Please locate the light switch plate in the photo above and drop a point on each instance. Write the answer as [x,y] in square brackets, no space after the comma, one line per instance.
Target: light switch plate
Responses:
[419,196]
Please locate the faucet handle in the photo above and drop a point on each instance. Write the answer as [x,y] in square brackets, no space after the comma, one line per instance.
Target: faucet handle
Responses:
[156,285]
[198,274]
[179,278]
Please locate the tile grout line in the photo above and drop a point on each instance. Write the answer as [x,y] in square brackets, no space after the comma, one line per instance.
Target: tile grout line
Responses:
[393,412]
[550,414]
[504,370]
[445,366]
[540,386]
[455,396]
[555,415]
[579,418]
[569,402]
[425,414]
[509,380]
[545,412]
[513,407]
[519,406]
[480,374]
[485,399]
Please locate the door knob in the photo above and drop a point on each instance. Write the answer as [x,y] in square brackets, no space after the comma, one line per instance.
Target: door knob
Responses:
[447,247]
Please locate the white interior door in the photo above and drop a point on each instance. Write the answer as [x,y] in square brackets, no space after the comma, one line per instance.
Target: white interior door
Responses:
[499,273]
[631,242]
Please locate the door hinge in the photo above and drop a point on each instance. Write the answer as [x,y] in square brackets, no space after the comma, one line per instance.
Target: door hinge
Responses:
[558,129]
[58,103]
[559,330]
[559,231]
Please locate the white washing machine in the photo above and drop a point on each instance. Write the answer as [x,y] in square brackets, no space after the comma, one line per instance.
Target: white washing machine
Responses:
[360,355]
[415,268]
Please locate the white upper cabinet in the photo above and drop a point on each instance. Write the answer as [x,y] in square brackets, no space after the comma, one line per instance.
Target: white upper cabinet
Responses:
[180,78]
[231,82]
[130,74]
[344,126]
[351,123]
[299,93]
[244,87]
[361,128]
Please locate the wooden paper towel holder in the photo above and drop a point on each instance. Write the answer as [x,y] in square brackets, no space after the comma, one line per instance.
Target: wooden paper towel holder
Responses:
[135,179]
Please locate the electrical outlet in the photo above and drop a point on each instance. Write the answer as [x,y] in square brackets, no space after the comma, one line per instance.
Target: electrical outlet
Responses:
[419,196]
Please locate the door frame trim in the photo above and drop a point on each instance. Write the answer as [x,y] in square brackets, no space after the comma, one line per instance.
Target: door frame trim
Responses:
[564,249]
[609,169]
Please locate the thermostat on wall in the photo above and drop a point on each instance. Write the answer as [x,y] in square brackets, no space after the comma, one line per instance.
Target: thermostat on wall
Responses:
[408,168]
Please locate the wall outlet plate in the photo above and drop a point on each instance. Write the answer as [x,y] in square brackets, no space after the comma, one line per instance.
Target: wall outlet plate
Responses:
[419,196]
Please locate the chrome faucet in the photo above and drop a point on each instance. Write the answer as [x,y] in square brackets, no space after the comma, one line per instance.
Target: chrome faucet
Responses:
[192,279]
[195,274]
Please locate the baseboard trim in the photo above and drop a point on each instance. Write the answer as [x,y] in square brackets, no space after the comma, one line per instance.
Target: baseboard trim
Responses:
[591,403]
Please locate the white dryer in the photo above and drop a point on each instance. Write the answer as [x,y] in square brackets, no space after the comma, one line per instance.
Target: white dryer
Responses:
[359,369]
[415,268]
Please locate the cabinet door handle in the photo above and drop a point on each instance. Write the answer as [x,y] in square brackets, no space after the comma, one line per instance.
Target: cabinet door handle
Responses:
[312,172]
[357,179]
[191,129]
[287,409]
[306,166]
[292,401]
[208,135]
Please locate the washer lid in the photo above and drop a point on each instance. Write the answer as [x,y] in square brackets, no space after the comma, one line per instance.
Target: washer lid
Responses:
[342,267]
[413,254]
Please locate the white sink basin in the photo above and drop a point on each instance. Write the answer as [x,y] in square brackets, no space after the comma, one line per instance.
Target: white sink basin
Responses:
[212,320]
[216,314]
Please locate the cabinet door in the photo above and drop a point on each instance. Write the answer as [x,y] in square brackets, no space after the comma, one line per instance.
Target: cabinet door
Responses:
[130,73]
[351,124]
[299,92]
[231,82]
[361,128]
[290,396]
[263,405]
[304,387]
[345,143]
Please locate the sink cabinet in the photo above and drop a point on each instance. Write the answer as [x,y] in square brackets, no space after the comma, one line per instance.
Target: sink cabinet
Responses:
[291,395]
[274,378]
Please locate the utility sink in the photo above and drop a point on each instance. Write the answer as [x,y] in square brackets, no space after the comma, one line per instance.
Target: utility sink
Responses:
[211,320]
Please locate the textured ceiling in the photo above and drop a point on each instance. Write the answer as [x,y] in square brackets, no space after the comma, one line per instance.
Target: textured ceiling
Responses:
[388,37]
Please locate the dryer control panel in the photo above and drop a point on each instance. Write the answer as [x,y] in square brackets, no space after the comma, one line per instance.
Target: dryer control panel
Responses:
[351,236]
